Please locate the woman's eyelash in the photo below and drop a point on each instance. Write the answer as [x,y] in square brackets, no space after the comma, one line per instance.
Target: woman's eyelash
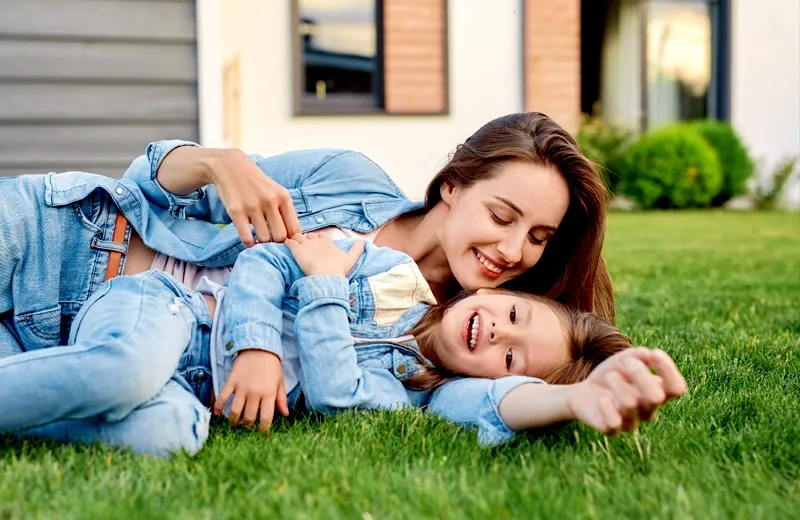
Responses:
[513,315]
[502,222]
[498,219]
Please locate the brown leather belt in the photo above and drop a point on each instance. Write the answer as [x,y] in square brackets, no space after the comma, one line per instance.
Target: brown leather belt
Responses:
[118,237]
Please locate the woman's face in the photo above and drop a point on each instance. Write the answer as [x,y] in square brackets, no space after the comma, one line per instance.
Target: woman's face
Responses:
[497,229]
[494,334]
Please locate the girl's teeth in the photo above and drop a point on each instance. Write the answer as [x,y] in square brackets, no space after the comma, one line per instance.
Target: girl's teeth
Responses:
[474,333]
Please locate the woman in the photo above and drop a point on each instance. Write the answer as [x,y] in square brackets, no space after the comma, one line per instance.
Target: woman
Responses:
[145,338]
[517,205]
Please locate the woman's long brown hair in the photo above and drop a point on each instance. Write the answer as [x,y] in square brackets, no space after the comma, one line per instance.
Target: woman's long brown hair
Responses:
[571,269]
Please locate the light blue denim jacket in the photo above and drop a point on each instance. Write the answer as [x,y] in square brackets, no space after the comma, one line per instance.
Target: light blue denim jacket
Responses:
[56,229]
[328,188]
[336,371]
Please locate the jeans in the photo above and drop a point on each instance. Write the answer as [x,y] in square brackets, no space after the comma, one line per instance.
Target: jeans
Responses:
[135,372]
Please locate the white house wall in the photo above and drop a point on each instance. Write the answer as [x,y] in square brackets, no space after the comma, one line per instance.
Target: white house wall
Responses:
[765,79]
[485,77]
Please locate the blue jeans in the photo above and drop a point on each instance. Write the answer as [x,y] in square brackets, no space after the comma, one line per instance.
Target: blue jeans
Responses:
[135,372]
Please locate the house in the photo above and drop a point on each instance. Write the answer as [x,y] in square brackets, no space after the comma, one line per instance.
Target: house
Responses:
[87,84]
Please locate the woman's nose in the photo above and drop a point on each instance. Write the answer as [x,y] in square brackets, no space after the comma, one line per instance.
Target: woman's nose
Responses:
[510,250]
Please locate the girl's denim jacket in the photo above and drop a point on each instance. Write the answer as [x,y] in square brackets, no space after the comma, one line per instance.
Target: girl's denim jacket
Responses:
[383,296]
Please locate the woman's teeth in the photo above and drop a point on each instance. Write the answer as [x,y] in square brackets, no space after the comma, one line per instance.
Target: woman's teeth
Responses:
[475,324]
[489,265]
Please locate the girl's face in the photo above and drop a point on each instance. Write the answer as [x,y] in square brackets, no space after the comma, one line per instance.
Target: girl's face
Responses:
[497,229]
[493,334]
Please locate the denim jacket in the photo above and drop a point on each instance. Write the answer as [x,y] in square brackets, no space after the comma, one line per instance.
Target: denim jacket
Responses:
[341,325]
[185,227]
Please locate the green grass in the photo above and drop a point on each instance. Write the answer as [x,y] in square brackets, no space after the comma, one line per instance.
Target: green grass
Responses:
[719,291]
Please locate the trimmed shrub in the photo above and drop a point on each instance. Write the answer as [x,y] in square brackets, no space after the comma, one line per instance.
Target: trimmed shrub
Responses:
[605,144]
[672,167]
[737,167]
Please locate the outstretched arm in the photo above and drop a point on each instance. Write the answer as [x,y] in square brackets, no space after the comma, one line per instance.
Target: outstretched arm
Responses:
[619,393]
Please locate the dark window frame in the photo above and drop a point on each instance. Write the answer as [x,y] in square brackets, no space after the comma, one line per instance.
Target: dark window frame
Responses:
[298,73]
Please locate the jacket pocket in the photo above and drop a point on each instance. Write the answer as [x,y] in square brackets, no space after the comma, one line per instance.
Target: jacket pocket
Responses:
[40,329]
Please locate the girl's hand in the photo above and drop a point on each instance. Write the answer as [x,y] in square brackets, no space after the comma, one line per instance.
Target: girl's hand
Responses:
[622,391]
[318,255]
[256,382]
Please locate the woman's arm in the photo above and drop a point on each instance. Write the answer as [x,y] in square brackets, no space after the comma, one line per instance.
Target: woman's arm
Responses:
[188,168]
[226,185]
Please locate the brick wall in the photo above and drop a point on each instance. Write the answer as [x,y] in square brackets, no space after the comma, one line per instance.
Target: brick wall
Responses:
[414,56]
[553,59]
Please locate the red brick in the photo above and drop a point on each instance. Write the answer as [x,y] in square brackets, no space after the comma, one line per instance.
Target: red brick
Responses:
[553,60]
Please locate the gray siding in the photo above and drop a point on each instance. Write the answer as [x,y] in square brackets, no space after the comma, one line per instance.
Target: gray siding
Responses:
[86,84]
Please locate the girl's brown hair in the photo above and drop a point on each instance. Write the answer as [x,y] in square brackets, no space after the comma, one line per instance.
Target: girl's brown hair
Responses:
[590,340]
[571,269]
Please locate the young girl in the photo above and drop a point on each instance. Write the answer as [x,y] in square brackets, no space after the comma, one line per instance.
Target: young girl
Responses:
[146,346]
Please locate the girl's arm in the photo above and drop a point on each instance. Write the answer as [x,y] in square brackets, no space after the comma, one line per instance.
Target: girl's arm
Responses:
[330,375]
[253,310]
[620,392]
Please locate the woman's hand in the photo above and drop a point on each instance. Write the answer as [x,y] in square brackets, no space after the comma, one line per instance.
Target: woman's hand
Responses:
[318,255]
[622,391]
[256,382]
[249,196]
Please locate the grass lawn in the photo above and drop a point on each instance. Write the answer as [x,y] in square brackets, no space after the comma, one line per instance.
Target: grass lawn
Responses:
[719,291]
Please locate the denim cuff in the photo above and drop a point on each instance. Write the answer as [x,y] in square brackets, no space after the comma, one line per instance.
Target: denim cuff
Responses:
[311,288]
[156,152]
[253,336]
[492,429]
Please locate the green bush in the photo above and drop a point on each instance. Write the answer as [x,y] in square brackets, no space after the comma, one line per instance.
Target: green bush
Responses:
[605,144]
[672,167]
[736,165]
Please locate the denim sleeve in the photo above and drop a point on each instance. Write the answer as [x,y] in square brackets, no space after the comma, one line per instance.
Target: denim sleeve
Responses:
[306,174]
[331,377]
[143,172]
[257,286]
[475,403]
[253,303]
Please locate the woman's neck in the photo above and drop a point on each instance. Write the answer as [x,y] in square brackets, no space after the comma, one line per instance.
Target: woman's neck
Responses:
[417,236]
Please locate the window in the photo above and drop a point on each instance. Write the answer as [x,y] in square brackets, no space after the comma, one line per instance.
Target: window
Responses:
[649,62]
[370,57]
